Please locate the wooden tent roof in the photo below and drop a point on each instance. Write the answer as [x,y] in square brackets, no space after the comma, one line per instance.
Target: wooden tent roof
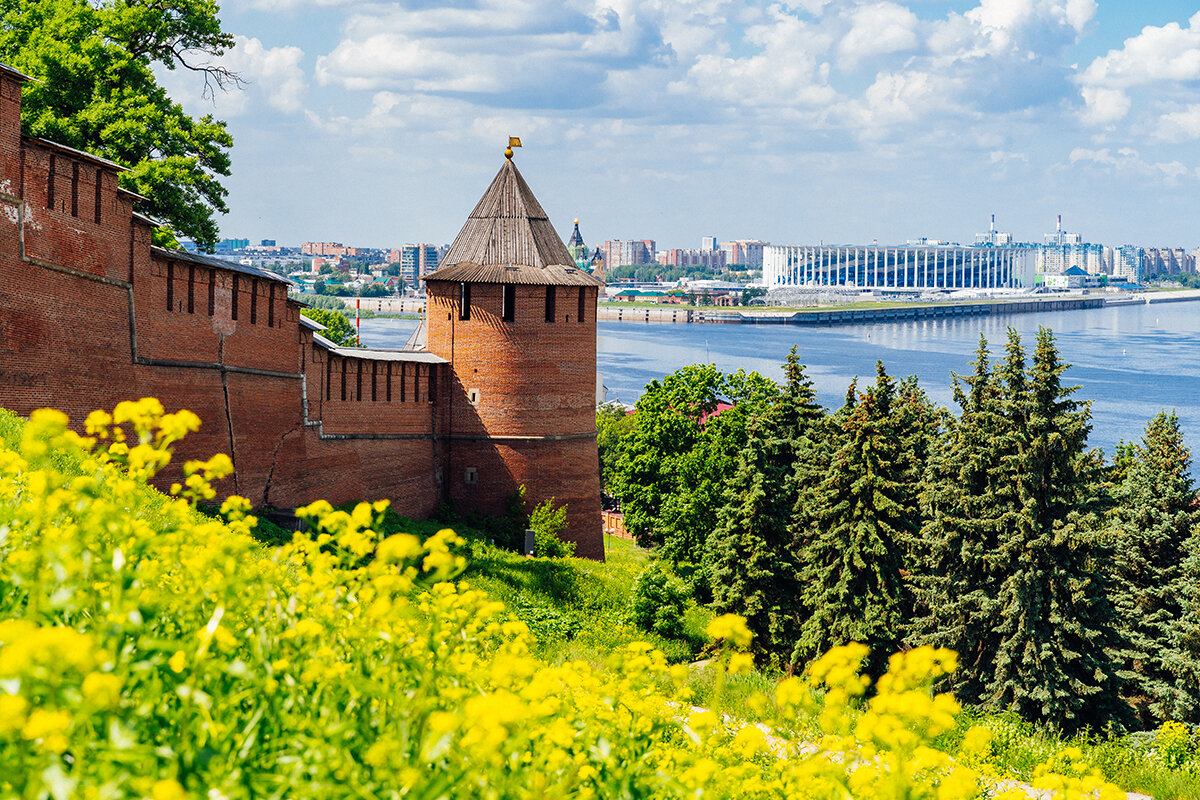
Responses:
[509,239]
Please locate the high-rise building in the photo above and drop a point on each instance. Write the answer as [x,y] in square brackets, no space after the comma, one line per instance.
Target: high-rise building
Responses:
[619,253]
[415,260]
[1127,263]
[708,243]
[676,257]
[747,252]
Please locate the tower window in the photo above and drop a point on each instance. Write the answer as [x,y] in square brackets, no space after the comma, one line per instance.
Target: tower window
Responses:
[549,304]
[508,307]
[582,304]
[464,301]
[471,476]
[233,309]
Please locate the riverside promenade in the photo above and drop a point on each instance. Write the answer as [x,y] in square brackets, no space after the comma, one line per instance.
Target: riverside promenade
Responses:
[841,316]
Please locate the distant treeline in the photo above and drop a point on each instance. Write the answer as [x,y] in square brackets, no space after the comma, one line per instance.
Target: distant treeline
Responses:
[1191,280]
[1068,584]
[648,273]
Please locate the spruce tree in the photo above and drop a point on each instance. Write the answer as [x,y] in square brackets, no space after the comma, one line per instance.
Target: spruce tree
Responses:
[1154,517]
[852,563]
[966,491]
[755,572]
[1056,662]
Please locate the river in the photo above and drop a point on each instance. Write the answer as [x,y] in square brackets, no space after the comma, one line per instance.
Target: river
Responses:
[1130,362]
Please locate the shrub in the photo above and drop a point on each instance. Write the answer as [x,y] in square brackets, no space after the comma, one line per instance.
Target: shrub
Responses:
[547,523]
[149,651]
[660,600]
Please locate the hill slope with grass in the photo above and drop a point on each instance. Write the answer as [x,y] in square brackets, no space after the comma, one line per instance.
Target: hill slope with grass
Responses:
[149,650]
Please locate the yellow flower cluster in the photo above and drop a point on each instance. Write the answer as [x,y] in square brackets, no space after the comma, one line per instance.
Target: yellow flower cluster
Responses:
[148,651]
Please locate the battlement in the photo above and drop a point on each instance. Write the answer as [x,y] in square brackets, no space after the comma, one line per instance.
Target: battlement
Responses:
[93,313]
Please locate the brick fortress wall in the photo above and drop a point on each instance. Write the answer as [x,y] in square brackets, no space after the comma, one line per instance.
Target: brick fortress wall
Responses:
[92,314]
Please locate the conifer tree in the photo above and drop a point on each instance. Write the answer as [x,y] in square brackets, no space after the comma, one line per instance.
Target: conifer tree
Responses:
[966,492]
[1056,662]
[1154,517]
[852,563]
[755,571]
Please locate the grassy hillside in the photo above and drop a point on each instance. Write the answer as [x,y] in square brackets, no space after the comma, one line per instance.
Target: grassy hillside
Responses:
[148,650]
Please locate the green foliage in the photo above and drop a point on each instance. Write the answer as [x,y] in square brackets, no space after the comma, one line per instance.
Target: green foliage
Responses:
[337,328]
[612,423]
[660,600]
[672,467]
[1016,563]
[1153,522]
[96,90]
[319,301]
[1055,594]
[547,523]
[375,290]
[755,570]
[865,514]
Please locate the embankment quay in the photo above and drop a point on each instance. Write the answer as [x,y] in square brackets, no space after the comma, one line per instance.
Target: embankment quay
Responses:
[836,316]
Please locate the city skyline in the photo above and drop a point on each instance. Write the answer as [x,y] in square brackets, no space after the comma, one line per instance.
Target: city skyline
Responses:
[819,121]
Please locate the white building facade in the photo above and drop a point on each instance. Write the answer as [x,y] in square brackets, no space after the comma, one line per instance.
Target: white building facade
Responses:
[900,267]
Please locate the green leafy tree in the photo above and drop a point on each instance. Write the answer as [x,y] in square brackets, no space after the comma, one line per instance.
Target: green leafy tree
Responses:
[613,422]
[337,328]
[671,471]
[1057,658]
[548,523]
[755,568]
[1153,519]
[660,599]
[374,290]
[852,563]
[96,90]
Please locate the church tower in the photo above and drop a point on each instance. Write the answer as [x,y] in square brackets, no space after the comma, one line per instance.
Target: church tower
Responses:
[516,319]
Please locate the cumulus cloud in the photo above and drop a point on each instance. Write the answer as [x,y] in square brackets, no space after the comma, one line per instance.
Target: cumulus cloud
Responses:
[786,67]
[503,54]
[1158,58]
[273,77]
[1127,159]
[876,29]
[1179,126]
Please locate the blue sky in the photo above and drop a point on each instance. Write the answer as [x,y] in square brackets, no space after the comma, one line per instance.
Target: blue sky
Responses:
[813,120]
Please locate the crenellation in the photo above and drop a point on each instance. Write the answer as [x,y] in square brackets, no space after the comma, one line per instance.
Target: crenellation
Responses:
[93,314]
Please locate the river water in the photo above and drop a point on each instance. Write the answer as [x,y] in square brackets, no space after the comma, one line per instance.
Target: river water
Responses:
[1130,362]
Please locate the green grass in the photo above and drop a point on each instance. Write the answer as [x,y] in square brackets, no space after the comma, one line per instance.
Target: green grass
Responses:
[578,609]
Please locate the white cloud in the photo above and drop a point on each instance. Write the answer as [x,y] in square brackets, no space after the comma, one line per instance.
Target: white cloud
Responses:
[902,97]
[274,72]
[1127,159]
[1179,126]
[1157,58]
[877,29]
[1104,106]
[787,67]
[272,77]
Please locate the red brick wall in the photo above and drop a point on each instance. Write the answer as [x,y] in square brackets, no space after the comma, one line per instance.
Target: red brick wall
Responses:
[89,316]
[522,401]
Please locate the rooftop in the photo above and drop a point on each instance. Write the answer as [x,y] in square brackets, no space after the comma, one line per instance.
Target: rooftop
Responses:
[509,239]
